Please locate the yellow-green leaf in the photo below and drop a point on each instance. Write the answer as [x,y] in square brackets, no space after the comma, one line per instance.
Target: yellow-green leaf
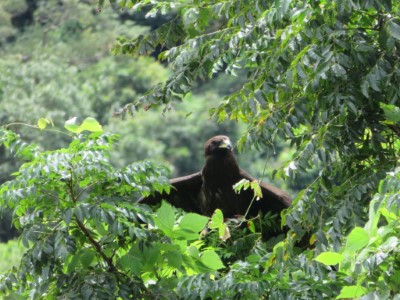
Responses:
[193,222]
[255,186]
[352,292]
[329,258]
[90,124]
[211,260]
[42,123]
[217,219]
[357,239]
[165,218]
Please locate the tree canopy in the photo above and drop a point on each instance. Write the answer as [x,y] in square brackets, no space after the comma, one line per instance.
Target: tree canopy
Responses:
[322,76]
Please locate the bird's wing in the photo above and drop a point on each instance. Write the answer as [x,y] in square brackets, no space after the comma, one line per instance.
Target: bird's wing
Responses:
[186,193]
[274,199]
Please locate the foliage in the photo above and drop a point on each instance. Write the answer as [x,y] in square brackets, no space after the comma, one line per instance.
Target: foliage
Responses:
[85,236]
[56,64]
[60,66]
[9,10]
[369,260]
[330,68]
[11,254]
[322,75]
[51,79]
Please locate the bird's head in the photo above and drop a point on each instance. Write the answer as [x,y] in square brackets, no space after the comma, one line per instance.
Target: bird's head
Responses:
[219,144]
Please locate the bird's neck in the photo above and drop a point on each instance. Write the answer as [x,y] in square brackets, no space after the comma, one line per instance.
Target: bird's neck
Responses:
[220,167]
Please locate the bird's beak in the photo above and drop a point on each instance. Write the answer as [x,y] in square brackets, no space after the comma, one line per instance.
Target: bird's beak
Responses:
[226,143]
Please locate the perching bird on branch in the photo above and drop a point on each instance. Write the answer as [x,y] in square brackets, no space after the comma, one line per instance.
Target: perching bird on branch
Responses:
[212,187]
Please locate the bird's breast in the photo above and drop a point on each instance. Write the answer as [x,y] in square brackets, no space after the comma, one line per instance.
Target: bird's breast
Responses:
[219,194]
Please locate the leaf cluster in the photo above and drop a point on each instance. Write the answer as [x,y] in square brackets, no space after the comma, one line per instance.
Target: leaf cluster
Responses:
[322,75]
[319,75]
[85,237]
[369,260]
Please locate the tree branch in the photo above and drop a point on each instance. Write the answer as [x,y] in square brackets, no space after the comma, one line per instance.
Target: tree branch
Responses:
[108,260]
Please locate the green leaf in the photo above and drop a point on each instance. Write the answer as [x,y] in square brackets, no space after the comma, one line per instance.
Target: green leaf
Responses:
[131,263]
[329,258]
[68,216]
[190,226]
[87,257]
[357,239]
[217,222]
[187,235]
[89,124]
[394,30]
[150,257]
[374,214]
[217,219]
[389,216]
[338,70]
[193,251]
[251,226]
[193,222]
[242,184]
[174,259]
[211,259]
[390,244]
[255,186]
[352,292]
[392,113]
[42,123]
[165,217]
[73,263]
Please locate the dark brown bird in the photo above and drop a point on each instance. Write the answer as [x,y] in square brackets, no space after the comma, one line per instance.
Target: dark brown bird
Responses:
[212,187]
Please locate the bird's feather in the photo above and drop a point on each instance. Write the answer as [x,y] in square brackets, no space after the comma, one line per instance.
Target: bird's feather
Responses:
[212,188]
[185,193]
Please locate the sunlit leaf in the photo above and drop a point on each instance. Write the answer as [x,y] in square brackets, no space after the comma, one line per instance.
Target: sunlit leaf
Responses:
[211,260]
[356,240]
[90,124]
[42,123]
[217,219]
[255,186]
[329,258]
[165,217]
[352,292]
[193,222]
[392,112]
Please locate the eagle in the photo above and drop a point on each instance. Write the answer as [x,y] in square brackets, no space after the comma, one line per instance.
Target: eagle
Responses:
[212,188]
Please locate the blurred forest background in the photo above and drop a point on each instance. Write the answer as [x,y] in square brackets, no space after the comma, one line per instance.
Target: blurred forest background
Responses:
[55,63]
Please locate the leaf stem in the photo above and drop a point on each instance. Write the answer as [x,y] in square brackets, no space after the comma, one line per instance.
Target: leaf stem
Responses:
[35,127]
